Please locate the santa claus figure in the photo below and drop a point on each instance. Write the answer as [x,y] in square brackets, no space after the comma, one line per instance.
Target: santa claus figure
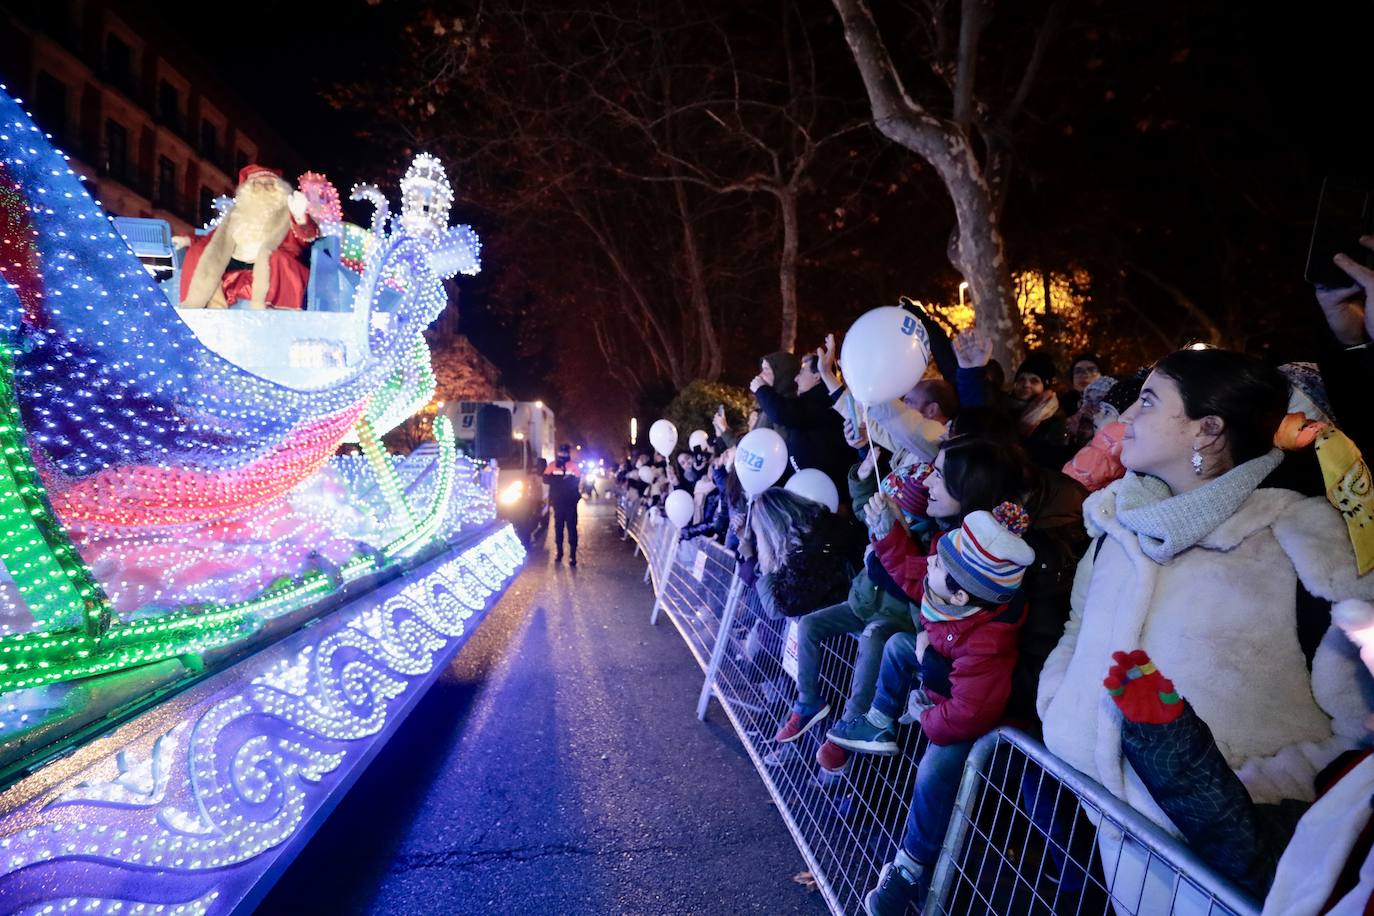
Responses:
[255,251]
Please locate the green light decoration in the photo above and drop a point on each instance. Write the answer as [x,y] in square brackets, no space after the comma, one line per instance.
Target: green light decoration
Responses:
[424,531]
[81,636]
[34,547]
[387,480]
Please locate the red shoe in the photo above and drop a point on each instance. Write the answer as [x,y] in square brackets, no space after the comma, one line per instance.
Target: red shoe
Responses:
[832,757]
[796,726]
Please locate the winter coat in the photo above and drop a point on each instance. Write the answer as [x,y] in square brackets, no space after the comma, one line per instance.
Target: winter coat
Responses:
[906,563]
[785,368]
[1059,540]
[1048,444]
[1326,858]
[816,574]
[909,429]
[715,517]
[814,432]
[1224,620]
[1099,462]
[564,486]
[978,653]
[874,593]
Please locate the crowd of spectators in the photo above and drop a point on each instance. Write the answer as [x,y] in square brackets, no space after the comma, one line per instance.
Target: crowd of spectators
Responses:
[1163,572]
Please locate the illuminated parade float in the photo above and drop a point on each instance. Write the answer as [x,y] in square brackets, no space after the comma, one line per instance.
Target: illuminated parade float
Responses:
[211,615]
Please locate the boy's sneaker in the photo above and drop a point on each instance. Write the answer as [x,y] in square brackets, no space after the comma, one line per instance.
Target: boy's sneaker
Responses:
[796,726]
[832,757]
[858,734]
[898,889]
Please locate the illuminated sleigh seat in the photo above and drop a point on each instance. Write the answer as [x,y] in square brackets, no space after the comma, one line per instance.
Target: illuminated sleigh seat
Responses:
[313,348]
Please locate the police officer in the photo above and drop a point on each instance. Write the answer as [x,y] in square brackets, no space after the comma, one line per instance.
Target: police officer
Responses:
[565,481]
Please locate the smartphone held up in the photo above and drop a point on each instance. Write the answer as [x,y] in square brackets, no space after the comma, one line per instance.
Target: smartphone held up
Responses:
[1345,214]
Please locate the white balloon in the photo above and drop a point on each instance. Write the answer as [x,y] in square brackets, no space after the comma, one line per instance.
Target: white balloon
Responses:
[760,459]
[815,485]
[647,473]
[679,507]
[698,439]
[884,354]
[663,437]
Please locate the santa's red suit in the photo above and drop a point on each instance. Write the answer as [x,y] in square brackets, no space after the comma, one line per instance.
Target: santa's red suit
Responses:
[276,277]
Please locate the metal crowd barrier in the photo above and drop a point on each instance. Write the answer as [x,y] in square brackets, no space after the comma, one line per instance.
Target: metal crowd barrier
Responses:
[1029,833]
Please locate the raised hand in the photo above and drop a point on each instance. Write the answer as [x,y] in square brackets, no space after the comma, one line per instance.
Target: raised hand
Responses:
[827,364]
[1347,309]
[973,349]
[857,438]
[1143,694]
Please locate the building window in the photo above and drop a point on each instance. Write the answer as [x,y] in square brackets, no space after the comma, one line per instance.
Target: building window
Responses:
[50,104]
[209,141]
[116,163]
[166,183]
[169,104]
[118,62]
[206,210]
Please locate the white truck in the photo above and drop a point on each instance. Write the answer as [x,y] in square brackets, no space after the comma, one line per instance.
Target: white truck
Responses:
[521,494]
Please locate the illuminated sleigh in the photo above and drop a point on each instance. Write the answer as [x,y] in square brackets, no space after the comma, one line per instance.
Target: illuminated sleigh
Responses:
[169,479]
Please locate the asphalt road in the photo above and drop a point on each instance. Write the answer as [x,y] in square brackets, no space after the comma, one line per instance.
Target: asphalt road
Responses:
[558,767]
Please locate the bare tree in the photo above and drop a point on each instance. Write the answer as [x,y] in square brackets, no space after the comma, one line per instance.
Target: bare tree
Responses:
[968,147]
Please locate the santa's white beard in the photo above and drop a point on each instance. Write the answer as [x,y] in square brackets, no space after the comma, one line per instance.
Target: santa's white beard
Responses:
[255,211]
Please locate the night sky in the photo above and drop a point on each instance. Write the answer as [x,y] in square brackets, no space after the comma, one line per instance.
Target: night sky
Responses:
[1188,140]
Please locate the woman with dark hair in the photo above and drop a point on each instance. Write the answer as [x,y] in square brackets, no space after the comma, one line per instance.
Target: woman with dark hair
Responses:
[1225,584]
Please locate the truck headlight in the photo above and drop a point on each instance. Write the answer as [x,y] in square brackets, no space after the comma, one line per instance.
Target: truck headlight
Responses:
[512,493]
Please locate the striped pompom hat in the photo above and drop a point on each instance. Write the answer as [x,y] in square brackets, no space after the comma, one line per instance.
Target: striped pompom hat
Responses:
[986,555]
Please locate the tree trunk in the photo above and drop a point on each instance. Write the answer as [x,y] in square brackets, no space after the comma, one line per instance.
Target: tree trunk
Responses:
[981,258]
[787,267]
[697,293]
[979,253]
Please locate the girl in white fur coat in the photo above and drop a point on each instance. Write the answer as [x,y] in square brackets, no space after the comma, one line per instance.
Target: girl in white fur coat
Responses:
[1215,578]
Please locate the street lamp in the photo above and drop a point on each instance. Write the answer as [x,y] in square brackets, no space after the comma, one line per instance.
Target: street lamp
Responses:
[634,430]
[962,287]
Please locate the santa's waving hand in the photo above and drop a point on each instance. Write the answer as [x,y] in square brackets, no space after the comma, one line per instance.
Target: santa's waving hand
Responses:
[254,253]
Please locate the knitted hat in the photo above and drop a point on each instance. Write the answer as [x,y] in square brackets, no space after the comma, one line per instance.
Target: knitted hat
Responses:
[1307,379]
[1039,363]
[1098,389]
[1089,358]
[1125,392]
[986,555]
[907,488]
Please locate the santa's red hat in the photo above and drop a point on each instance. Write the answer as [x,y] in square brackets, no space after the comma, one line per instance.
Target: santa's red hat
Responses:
[248,171]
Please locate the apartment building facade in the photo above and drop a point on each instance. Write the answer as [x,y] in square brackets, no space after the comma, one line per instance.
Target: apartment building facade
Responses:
[153,130]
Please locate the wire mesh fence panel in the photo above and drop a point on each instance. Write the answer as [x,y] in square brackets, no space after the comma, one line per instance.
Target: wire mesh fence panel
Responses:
[1029,834]
[1032,835]
[847,822]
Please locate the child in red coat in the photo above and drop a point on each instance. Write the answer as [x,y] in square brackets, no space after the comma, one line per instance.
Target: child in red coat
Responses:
[964,659]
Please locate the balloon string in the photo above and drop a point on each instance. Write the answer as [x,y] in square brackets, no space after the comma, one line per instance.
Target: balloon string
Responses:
[795,466]
[878,453]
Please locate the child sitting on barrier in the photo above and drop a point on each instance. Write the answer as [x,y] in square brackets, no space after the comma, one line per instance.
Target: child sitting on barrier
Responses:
[963,659]
[969,474]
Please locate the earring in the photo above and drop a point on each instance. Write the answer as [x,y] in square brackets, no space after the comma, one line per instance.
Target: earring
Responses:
[1196,461]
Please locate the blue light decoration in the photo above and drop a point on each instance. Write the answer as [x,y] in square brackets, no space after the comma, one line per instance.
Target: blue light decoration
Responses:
[191,810]
[161,501]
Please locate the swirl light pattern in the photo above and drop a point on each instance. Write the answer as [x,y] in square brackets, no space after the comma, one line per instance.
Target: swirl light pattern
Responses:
[207,796]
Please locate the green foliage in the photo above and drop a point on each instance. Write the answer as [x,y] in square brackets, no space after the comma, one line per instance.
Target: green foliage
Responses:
[696,404]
